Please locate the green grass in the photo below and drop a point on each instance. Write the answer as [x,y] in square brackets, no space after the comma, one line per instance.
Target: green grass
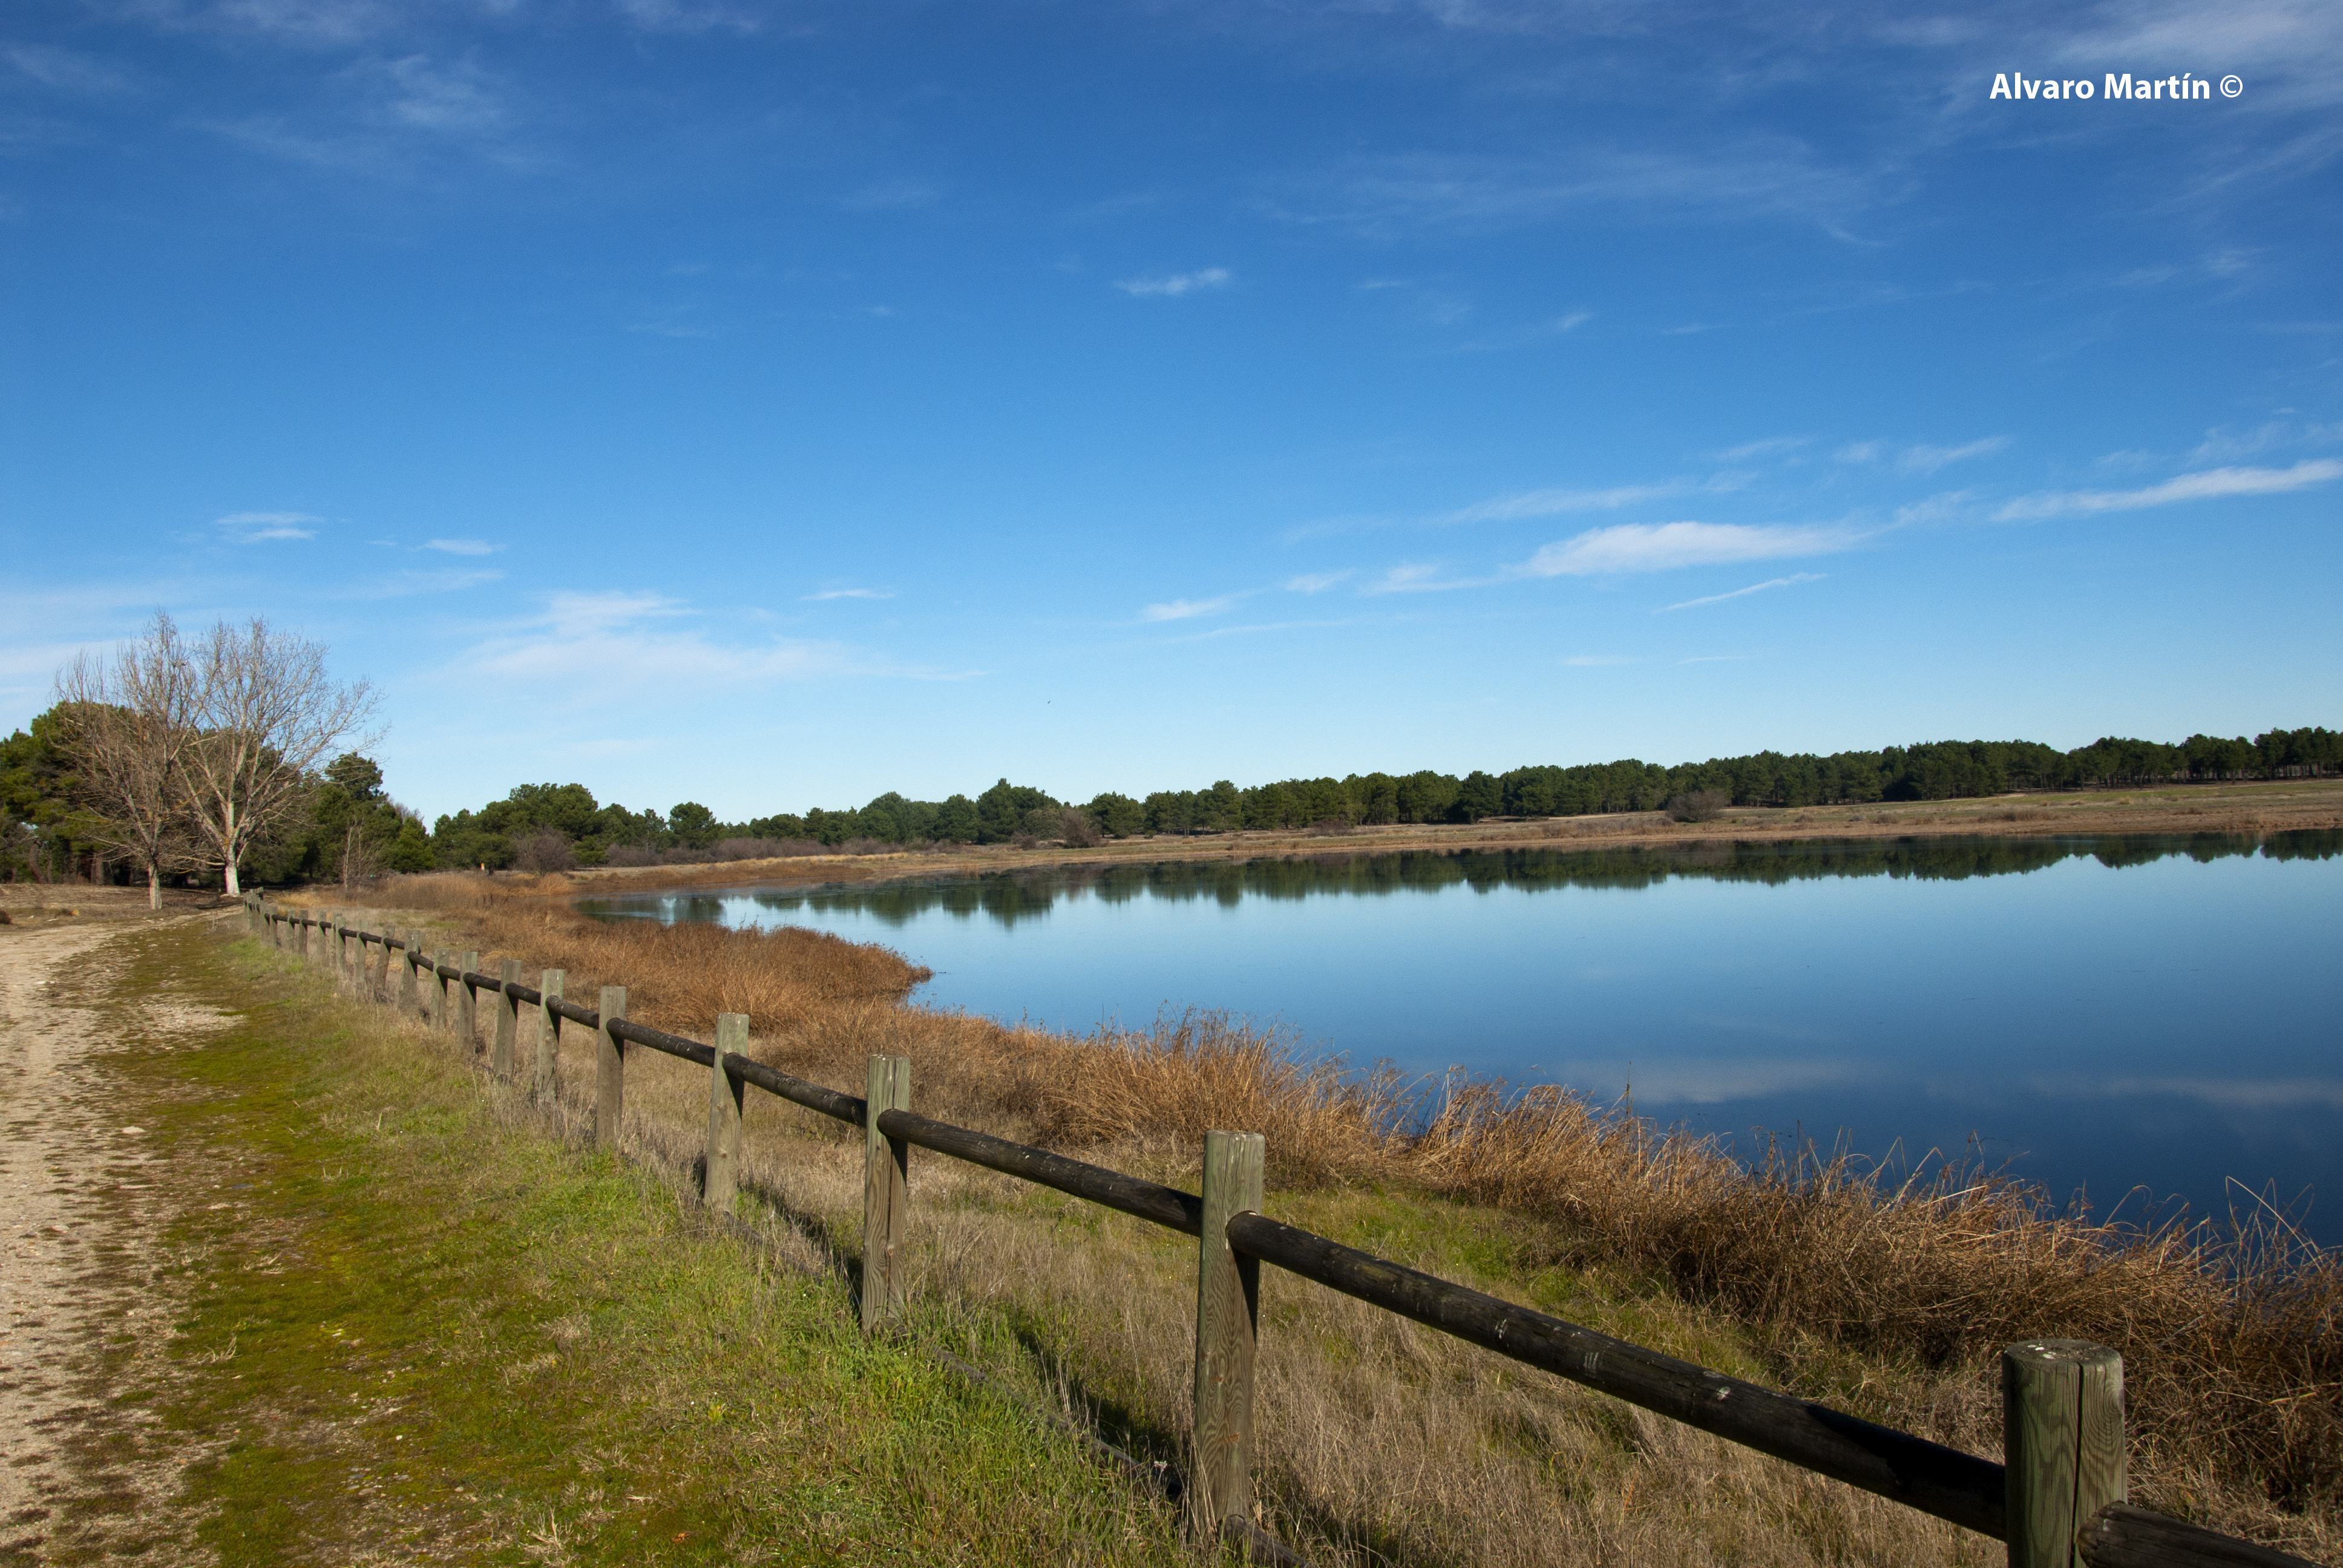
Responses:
[418,1328]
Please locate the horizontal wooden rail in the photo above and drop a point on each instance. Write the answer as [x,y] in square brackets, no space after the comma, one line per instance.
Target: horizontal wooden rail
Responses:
[635,1033]
[847,1108]
[2122,1536]
[1181,1212]
[1911,1469]
[1968,1491]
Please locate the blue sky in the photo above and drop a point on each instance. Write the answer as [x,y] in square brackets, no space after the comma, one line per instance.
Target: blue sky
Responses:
[771,406]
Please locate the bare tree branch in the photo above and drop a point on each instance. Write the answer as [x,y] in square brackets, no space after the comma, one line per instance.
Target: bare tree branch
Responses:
[127,722]
[266,713]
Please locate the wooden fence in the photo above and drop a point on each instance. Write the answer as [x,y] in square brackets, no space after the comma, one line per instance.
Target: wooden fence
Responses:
[2058,1501]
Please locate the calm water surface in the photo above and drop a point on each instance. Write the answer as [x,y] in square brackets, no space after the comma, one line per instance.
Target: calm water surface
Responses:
[2127,1019]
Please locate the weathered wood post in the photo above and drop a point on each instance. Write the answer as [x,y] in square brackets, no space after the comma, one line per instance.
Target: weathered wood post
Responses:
[886,1191]
[725,1095]
[2062,1423]
[542,1083]
[610,1069]
[440,1022]
[410,994]
[1228,1307]
[507,1018]
[468,1003]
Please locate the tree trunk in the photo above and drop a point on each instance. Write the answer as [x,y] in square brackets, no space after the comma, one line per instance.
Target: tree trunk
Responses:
[154,886]
[233,890]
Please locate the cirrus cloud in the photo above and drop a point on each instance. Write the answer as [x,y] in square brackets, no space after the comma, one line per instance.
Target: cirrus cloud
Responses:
[253,528]
[2209,485]
[1170,285]
[1664,547]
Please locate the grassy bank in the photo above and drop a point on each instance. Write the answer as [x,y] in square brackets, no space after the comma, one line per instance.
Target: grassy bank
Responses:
[1890,1303]
[420,1326]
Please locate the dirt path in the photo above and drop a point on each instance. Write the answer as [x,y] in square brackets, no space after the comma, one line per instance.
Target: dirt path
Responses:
[87,1471]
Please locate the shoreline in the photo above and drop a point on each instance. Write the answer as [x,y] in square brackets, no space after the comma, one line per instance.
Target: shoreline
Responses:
[2256,809]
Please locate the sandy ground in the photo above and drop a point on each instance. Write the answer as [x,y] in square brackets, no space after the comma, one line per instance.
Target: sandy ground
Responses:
[87,1471]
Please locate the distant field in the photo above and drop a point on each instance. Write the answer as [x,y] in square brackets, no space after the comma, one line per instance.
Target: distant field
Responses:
[2261,807]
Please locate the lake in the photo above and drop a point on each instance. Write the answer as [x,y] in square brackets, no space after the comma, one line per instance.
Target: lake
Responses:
[2129,1019]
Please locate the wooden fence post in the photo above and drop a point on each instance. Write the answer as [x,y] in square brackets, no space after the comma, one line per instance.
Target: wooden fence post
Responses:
[610,1069]
[467,1005]
[886,1191]
[541,1084]
[1228,1306]
[410,996]
[2061,1422]
[725,1095]
[440,1022]
[507,1018]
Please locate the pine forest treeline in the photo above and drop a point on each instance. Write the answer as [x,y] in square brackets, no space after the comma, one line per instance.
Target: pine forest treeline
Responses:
[547,825]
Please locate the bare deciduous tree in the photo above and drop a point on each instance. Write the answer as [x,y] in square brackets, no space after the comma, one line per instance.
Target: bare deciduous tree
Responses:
[127,723]
[266,714]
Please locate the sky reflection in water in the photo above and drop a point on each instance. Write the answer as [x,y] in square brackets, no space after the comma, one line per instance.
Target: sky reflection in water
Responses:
[2104,1014]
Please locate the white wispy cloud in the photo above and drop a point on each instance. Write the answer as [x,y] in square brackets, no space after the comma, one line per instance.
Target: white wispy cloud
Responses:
[2209,485]
[1918,458]
[457,98]
[1317,582]
[1421,576]
[1770,446]
[310,20]
[2221,443]
[684,17]
[1188,608]
[638,641]
[1664,547]
[253,528]
[64,69]
[461,547]
[1173,285]
[1744,592]
[1926,459]
[847,593]
[1548,503]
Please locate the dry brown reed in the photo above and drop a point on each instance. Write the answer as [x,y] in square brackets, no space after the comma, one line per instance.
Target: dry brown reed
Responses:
[1898,1293]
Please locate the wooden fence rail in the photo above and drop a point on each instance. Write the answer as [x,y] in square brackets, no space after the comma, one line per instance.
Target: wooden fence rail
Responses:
[2058,1501]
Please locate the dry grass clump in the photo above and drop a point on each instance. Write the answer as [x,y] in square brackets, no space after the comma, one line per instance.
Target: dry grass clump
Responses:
[2233,1363]
[2233,1360]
